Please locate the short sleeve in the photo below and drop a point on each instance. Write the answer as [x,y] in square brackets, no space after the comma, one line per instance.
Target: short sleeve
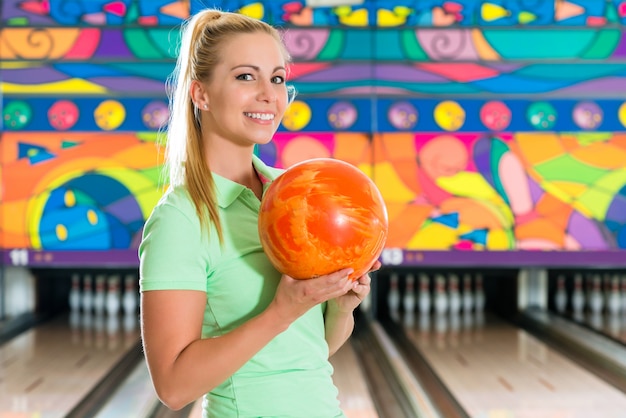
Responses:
[171,253]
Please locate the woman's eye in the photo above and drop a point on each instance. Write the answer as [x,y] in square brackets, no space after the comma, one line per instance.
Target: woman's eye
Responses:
[246,77]
[278,80]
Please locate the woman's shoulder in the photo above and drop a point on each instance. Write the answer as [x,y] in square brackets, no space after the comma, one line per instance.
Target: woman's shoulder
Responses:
[176,199]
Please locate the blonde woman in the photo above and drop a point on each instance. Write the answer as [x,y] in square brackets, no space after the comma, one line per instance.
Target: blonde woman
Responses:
[217,319]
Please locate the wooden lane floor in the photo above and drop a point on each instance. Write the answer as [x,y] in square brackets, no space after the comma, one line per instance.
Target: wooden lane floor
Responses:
[495,369]
[354,396]
[47,370]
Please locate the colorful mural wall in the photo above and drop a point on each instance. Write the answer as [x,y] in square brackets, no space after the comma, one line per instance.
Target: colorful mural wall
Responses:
[496,130]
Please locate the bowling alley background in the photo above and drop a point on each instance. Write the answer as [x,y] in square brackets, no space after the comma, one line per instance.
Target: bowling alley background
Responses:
[495,130]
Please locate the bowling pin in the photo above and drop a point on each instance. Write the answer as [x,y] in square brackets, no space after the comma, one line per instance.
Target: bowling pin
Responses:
[614,302]
[578,296]
[606,289]
[424,295]
[393,297]
[468,295]
[440,298]
[623,287]
[87,297]
[560,296]
[454,296]
[408,300]
[113,302]
[129,300]
[479,293]
[75,296]
[596,299]
[99,294]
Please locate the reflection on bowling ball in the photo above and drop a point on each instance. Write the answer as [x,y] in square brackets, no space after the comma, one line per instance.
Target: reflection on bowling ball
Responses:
[320,216]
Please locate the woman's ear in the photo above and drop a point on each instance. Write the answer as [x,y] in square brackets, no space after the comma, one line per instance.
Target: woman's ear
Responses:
[198,95]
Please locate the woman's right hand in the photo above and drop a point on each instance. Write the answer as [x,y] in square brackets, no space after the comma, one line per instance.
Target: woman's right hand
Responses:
[294,297]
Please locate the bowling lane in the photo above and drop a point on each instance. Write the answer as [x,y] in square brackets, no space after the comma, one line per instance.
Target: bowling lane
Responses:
[494,368]
[48,370]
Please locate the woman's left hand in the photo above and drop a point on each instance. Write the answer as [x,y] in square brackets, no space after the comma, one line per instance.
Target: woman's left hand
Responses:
[360,289]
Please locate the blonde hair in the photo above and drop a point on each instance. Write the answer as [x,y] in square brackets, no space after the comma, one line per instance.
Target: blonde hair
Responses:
[185,163]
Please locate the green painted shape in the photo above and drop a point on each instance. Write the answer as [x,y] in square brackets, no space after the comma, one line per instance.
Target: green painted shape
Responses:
[611,13]
[166,40]
[539,43]
[154,174]
[498,149]
[411,46]
[566,71]
[82,198]
[596,201]
[17,21]
[387,44]
[612,182]
[149,136]
[139,42]
[567,168]
[334,46]
[69,144]
[604,44]
[586,138]
[132,13]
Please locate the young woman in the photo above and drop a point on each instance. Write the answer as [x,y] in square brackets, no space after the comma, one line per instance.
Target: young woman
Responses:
[217,319]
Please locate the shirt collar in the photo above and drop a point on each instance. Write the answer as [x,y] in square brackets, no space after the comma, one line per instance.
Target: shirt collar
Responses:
[228,191]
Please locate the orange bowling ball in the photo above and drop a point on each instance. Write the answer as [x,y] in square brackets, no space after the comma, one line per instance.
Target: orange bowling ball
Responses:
[320,216]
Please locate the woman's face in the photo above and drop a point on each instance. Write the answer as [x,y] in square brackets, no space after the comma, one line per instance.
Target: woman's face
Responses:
[247,94]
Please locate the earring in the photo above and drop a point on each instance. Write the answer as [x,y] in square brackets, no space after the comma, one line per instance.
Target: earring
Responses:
[206,106]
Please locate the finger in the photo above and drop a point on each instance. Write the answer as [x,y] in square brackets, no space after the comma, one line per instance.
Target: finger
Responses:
[377,265]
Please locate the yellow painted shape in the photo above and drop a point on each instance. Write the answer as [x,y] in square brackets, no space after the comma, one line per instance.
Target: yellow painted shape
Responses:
[254,10]
[465,183]
[391,186]
[483,48]
[498,240]
[568,188]
[72,86]
[434,236]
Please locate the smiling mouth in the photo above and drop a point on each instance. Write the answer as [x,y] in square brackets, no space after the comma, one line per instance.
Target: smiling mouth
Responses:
[260,116]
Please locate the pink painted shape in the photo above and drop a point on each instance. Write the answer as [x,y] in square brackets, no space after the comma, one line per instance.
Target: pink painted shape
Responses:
[36,7]
[462,72]
[464,245]
[447,44]
[621,9]
[95,18]
[537,244]
[571,243]
[513,178]
[117,8]
[305,43]
[148,20]
[86,44]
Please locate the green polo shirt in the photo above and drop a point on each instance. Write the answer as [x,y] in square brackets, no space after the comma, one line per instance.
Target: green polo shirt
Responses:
[291,376]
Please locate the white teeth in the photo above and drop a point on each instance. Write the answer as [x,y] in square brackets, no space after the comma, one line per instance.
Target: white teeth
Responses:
[262,116]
